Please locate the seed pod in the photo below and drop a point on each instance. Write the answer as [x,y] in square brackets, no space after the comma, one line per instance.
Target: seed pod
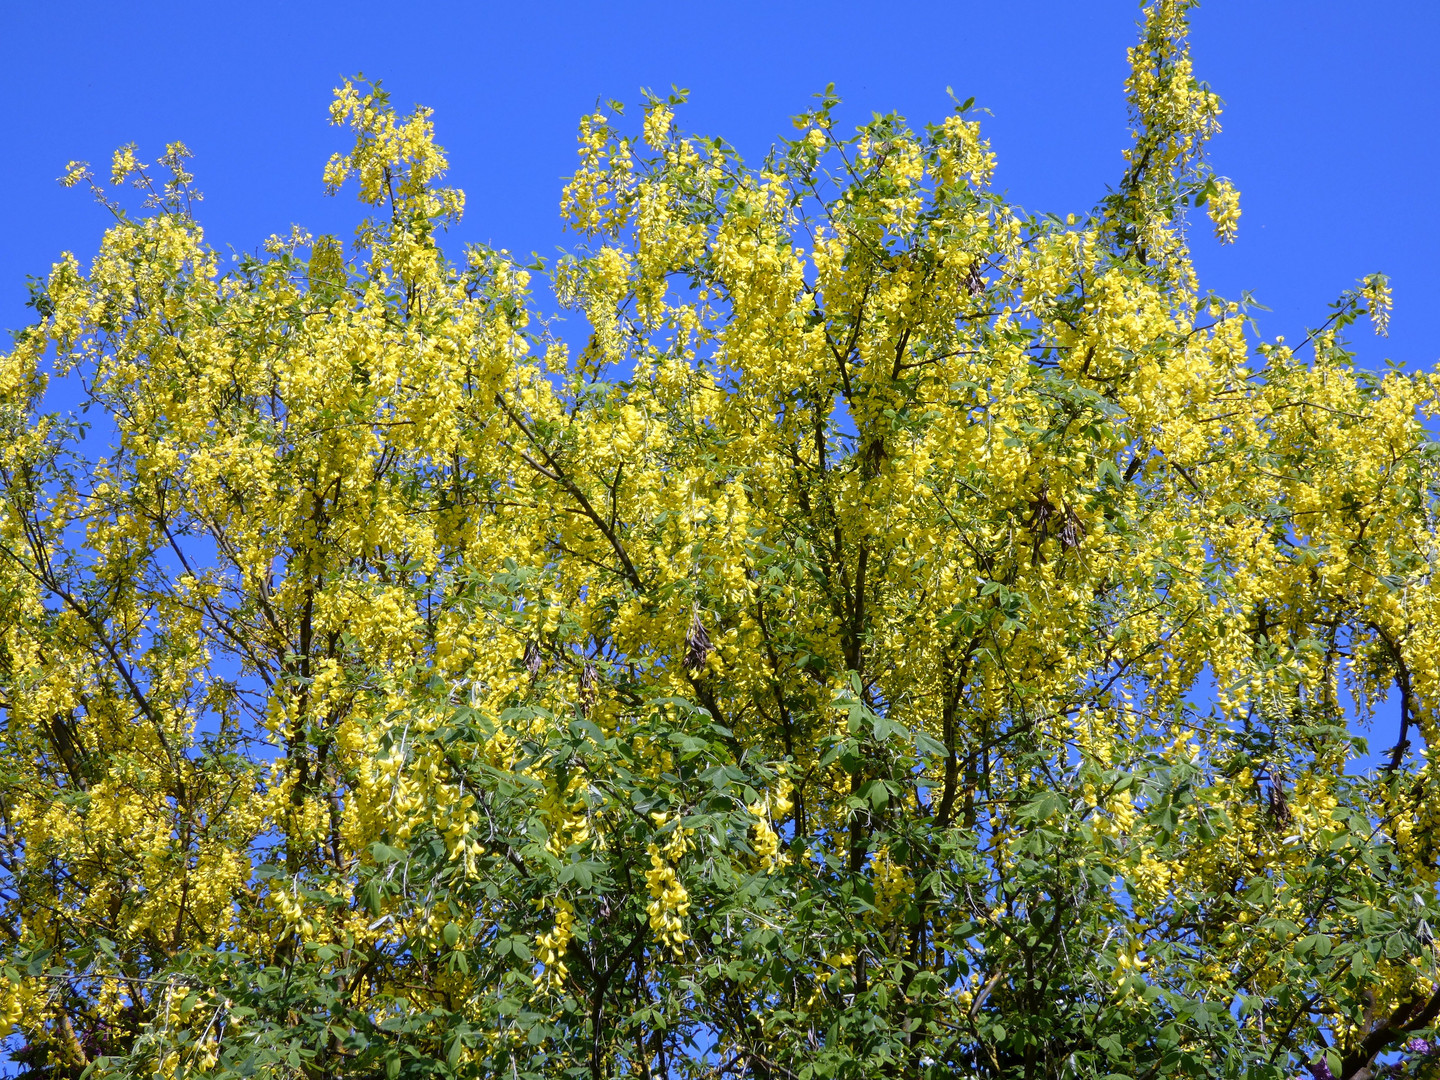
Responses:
[1073,531]
[697,646]
[1276,801]
[532,658]
[974,283]
[588,678]
[1041,511]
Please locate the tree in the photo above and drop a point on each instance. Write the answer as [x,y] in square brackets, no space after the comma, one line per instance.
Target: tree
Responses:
[911,638]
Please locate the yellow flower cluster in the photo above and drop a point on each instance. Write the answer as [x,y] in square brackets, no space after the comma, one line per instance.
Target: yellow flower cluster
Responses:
[766,842]
[1224,210]
[552,946]
[669,899]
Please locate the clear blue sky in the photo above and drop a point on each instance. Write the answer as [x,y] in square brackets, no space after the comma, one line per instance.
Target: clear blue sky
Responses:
[1330,124]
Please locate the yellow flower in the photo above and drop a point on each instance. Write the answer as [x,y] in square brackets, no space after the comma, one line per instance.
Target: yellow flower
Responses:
[1223,207]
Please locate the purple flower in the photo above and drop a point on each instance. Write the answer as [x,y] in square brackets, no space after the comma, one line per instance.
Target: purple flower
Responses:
[1320,1070]
[1419,1046]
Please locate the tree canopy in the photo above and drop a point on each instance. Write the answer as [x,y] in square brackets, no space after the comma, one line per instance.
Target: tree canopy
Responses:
[911,637]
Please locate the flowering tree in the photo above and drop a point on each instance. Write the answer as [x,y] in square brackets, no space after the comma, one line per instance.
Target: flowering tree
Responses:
[910,638]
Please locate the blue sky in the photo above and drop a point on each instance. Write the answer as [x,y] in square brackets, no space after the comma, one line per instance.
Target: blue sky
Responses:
[1330,124]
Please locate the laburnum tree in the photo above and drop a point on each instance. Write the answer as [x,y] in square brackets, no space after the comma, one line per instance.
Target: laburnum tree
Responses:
[911,638]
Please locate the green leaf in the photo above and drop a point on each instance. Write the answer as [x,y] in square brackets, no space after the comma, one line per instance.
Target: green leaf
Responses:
[384,853]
